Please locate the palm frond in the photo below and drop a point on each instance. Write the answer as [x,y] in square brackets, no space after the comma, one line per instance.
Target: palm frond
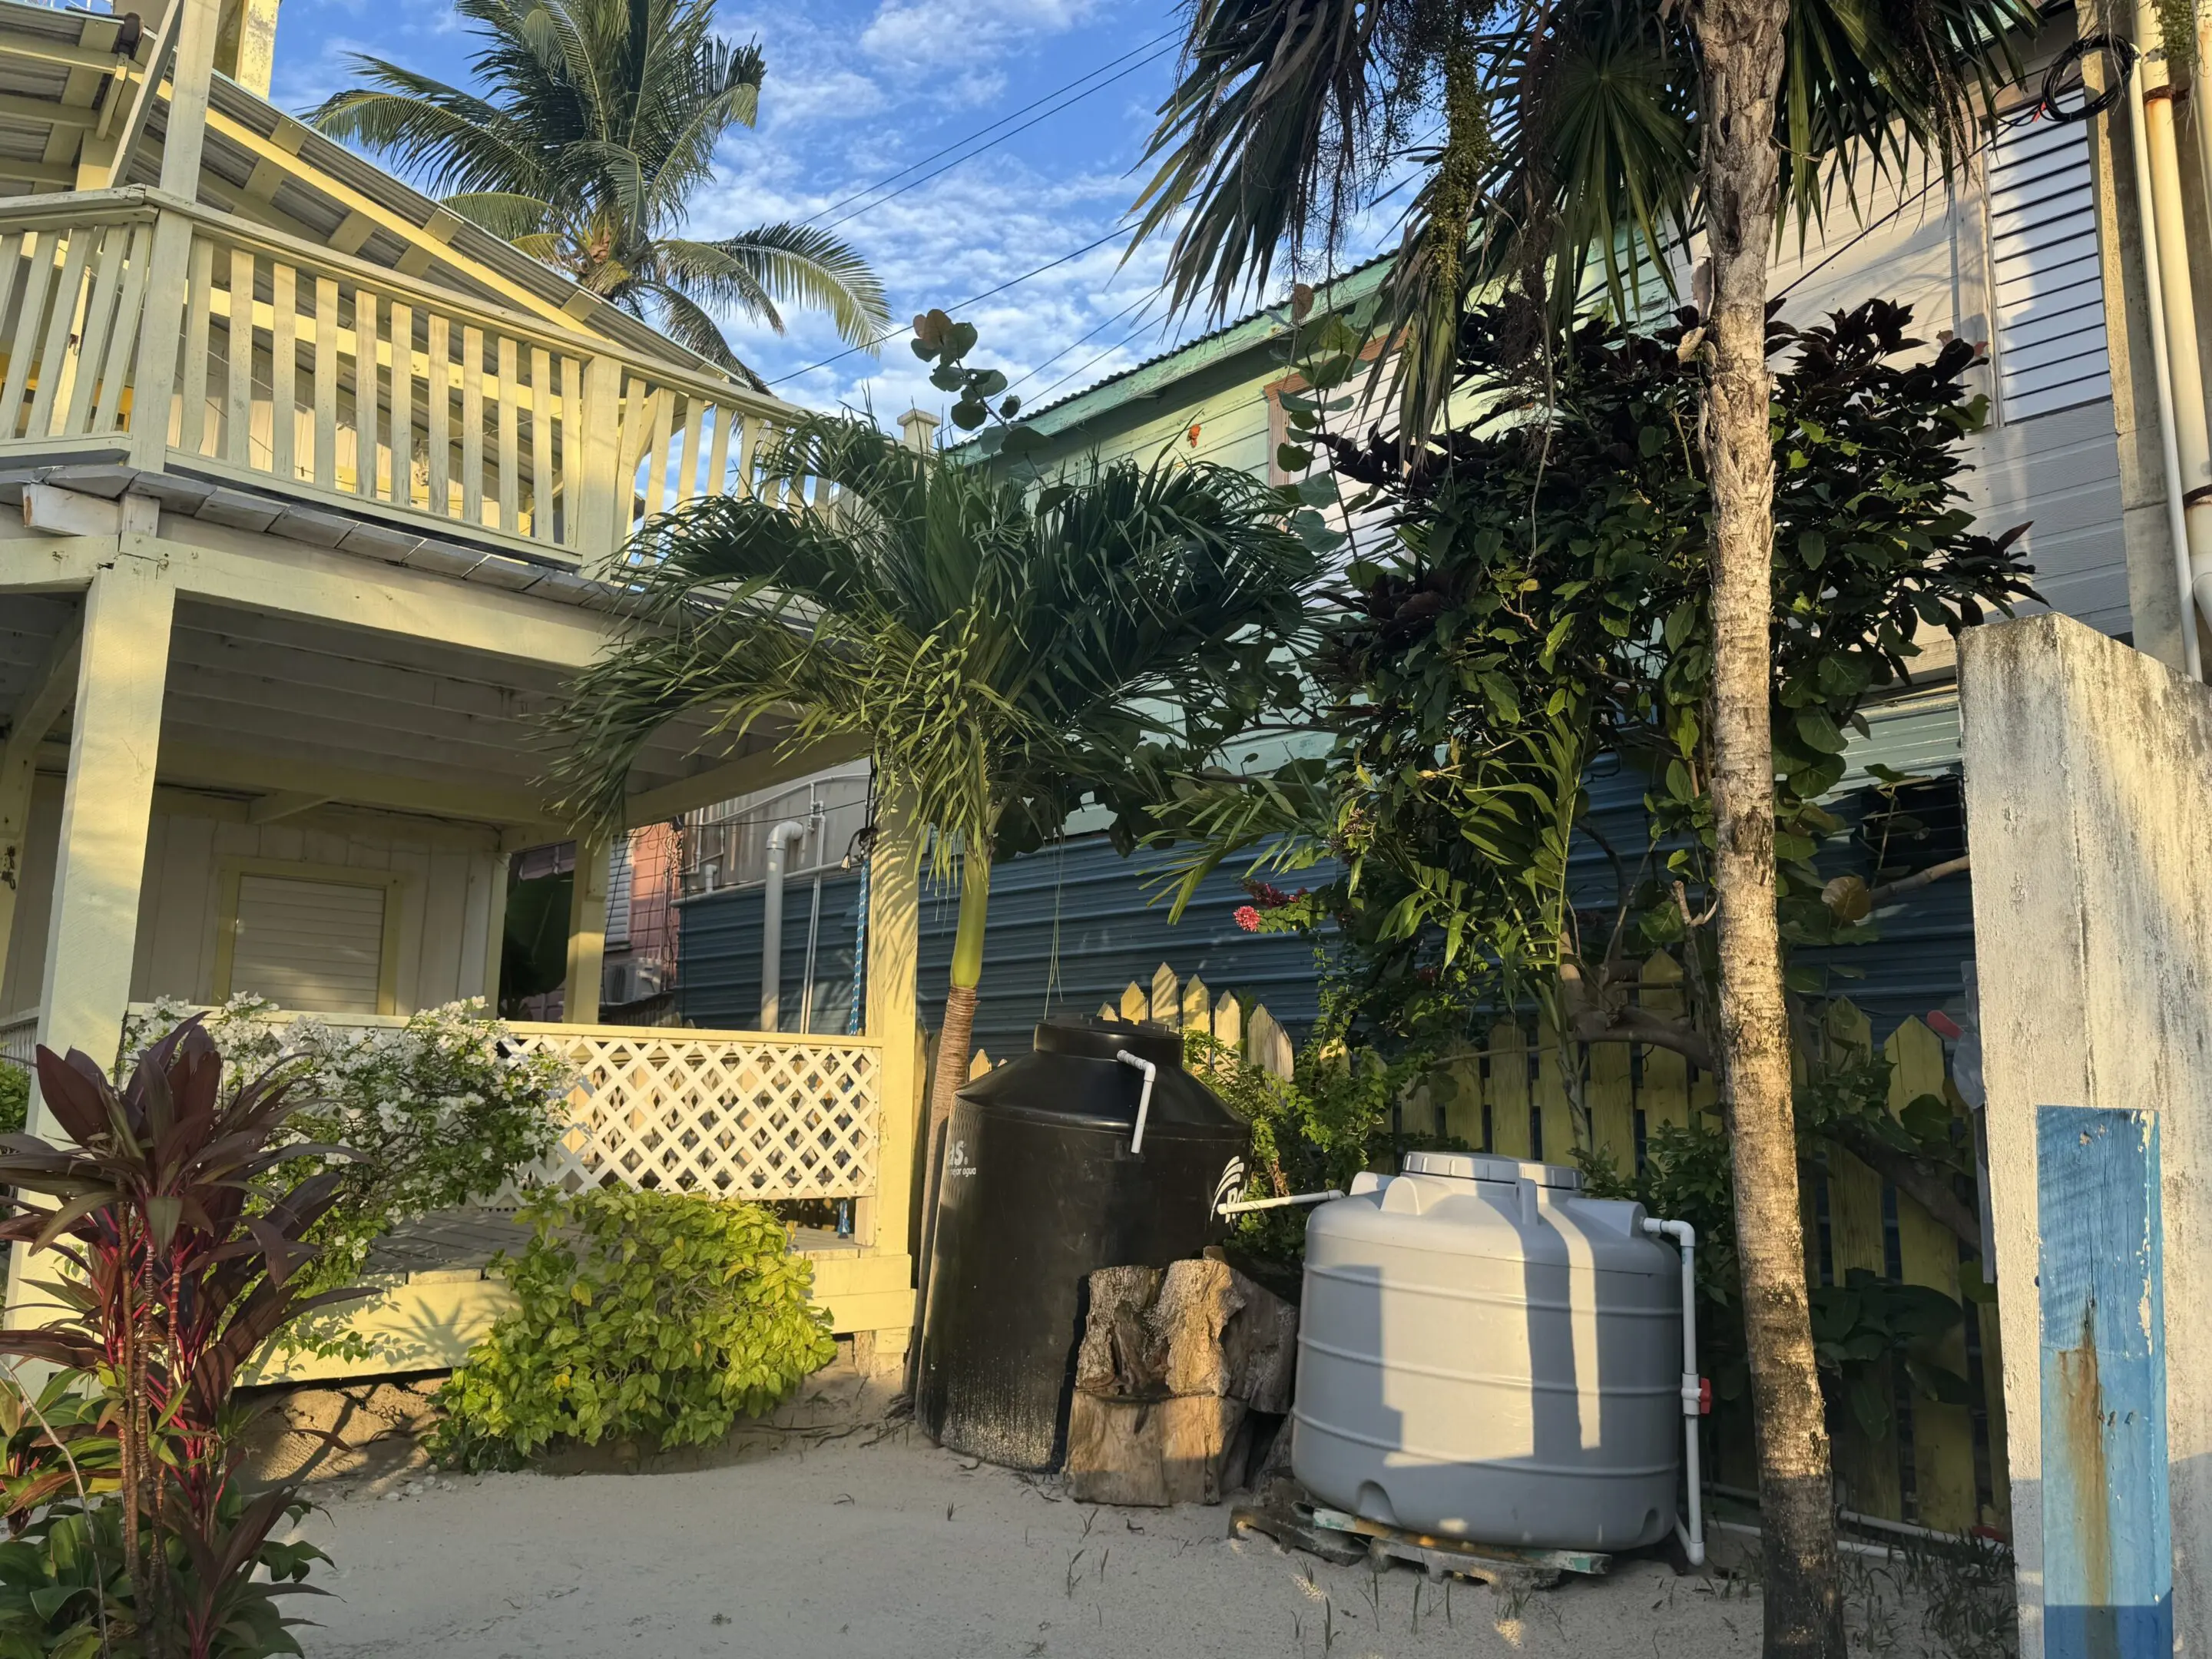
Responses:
[507,214]
[789,264]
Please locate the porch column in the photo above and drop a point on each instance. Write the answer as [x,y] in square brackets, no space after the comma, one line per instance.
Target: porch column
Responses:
[115,738]
[587,933]
[894,937]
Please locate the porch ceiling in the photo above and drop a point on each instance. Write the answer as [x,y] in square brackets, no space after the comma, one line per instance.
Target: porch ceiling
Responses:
[270,705]
[252,687]
[29,623]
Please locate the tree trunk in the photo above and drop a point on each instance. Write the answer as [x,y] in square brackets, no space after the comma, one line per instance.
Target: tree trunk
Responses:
[955,1037]
[1742,43]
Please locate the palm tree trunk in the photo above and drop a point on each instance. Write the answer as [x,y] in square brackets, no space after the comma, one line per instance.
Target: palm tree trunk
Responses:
[1742,43]
[955,1034]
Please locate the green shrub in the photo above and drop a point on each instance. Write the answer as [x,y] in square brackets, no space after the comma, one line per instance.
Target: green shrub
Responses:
[15,1098]
[644,1315]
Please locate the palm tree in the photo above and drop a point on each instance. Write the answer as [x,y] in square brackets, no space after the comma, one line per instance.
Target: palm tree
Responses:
[596,128]
[1583,138]
[1003,652]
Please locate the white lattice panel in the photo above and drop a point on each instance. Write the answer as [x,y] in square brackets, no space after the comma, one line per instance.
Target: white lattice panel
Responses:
[743,1116]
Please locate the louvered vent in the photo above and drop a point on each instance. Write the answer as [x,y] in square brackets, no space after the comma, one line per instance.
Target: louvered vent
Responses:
[315,946]
[2050,293]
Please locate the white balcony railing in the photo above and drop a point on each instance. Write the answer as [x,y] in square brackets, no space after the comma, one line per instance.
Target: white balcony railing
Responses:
[321,375]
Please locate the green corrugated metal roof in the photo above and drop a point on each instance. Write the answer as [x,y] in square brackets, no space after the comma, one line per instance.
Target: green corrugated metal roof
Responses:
[1154,374]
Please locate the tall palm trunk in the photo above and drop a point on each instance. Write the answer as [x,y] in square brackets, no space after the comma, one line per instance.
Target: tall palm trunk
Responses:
[955,1035]
[1742,42]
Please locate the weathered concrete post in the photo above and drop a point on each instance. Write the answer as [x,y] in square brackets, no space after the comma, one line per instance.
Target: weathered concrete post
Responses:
[2088,784]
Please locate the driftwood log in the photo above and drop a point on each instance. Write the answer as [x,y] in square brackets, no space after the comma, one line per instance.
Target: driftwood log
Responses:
[1170,1367]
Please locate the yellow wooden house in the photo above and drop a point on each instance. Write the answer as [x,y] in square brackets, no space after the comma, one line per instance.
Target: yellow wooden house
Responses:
[319,488]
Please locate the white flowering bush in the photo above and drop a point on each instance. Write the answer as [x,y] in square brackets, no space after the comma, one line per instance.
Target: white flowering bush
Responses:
[442,1110]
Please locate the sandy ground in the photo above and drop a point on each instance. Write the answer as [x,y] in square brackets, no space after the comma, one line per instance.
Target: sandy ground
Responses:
[895,1550]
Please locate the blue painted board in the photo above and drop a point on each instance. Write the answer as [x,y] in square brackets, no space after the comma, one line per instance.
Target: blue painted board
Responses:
[2107,1538]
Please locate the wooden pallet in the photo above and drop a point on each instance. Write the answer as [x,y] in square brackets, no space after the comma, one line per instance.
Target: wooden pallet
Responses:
[1294,1522]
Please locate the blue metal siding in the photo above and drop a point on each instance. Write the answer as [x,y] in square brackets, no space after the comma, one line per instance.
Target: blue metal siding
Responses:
[1078,917]
[718,982]
[1080,905]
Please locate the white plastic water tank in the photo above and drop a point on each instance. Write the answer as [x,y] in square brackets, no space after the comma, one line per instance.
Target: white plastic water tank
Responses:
[1486,1354]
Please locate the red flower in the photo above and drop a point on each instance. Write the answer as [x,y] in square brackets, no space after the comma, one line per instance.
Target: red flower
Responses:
[1247,918]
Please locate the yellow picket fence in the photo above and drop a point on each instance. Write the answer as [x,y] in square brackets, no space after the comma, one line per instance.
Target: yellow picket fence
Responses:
[1939,1466]
[1188,1004]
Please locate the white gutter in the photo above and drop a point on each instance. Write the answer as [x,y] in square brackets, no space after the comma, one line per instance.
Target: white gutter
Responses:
[2170,414]
[1693,1388]
[785,835]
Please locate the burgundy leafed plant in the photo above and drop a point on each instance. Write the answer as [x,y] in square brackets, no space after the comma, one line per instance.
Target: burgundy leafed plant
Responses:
[181,1274]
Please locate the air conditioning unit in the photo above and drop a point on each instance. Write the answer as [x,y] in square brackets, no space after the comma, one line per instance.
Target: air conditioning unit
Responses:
[632,981]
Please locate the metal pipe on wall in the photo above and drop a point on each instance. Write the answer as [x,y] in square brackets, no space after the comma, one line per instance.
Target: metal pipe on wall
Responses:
[788,834]
[2165,248]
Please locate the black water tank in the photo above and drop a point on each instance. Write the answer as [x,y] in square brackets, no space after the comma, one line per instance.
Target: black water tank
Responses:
[1039,1188]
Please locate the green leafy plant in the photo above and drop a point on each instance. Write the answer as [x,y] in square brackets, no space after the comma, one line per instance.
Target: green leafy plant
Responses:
[15,1098]
[1315,1129]
[1542,600]
[647,1316]
[59,1442]
[1863,1326]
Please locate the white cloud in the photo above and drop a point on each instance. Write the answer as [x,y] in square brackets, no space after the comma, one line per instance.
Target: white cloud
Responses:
[955,33]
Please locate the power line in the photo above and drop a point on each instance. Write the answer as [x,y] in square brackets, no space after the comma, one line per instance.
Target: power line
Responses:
[961,305]
[934,173]
[1100,358]
[869,190]
[1142,298]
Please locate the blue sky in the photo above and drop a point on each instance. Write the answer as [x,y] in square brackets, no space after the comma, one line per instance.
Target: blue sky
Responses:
[857,90]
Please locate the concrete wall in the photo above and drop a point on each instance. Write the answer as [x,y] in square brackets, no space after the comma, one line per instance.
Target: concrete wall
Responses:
[2088,778]
[448,872]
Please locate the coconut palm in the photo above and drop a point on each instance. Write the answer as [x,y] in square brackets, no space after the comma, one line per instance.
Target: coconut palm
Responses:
[1003,650]
[595,130]
[1553,142]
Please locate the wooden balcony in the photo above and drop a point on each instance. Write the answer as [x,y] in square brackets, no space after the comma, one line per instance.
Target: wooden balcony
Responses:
[144,332]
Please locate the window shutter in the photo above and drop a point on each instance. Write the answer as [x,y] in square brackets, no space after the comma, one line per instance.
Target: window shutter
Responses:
[314,945]
[2049,289]
[620,879]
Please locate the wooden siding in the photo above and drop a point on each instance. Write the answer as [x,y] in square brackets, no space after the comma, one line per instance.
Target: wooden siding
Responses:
[444,903]
[447,872]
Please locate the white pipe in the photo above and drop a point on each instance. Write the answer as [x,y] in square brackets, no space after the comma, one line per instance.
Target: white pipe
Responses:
[1693,1390]
[2192,442]
[788,833]
[2177,512]
[1245,1206]
[1144,1095]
